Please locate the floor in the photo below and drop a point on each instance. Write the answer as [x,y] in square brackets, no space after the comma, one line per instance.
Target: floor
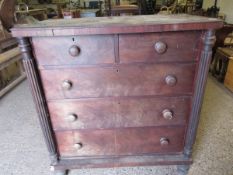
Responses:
[23,152]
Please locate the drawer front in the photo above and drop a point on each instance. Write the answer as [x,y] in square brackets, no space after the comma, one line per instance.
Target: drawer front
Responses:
[119,112]
[86,143]
[128,141]
[74,50]
[160,79]
[159,47]
[149,140]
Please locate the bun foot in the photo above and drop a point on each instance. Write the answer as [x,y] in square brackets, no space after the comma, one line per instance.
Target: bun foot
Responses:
[183,169]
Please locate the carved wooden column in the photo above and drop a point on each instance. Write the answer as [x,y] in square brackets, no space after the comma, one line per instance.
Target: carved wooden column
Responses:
[206,54]
[38,97]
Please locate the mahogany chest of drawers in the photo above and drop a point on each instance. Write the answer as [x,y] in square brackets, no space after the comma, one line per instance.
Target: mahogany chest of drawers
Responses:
[118,91]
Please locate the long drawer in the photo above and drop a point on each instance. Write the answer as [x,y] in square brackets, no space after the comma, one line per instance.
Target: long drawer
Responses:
[119,112]
[128,141]
[131,80]
[159,47]
[74,50]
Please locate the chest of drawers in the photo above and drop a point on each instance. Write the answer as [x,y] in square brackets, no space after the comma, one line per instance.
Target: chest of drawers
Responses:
[119,91]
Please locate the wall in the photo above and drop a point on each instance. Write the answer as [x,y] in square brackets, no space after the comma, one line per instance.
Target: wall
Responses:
[226,7]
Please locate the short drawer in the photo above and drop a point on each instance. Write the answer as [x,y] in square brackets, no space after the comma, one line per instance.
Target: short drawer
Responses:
[119,112]
[128,141]
[159,47]
[134,80]
[74,50]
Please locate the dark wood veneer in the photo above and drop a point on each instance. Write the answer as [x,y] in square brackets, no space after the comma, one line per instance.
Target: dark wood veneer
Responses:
[93,50]
[117,25]
[130,87]
[38,97]
[181,46]
[122,161]
[119,112]
[201,77]
[124,141]
[131,80]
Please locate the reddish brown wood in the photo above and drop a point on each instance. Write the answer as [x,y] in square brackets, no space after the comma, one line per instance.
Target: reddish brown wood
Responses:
[123,161]
[92,113]
[118,10]
[181,46]
[92,50]
[128,141]
[128,99]
[118,112]
[205,58]
[147,140]
[117,25]
[96,142]
[133,80]
[39,98]
[7,13]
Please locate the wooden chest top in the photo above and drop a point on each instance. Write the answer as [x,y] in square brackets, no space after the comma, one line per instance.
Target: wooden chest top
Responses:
[111,25]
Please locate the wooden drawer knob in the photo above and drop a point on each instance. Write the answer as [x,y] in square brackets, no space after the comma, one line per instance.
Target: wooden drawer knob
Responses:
[67,84]
[167,114]
[164,141]
[171,80]
[160,47]
[78,146]
[74,51]
[71,118]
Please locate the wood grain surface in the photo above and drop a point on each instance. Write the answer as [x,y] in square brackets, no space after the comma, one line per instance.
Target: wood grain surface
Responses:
[116,25]
[128,141]
[118,112]
[130,80]
[181,46]
[113,77]
[93,50]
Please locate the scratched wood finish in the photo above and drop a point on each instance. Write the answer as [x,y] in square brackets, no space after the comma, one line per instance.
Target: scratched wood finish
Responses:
[181,46]
[93,50]
[128,141]
[118,112]
[124,161]
[97,142]
[38,97]
[117,25]
[120,71]
[147,140]
[133,80]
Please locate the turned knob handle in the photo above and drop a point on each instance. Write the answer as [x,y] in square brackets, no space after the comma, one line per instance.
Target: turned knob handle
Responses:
[160,47]
[78,146]
[71,118]
[164,141]
[167,114]
[67,84]
[74,51]
[170,80]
